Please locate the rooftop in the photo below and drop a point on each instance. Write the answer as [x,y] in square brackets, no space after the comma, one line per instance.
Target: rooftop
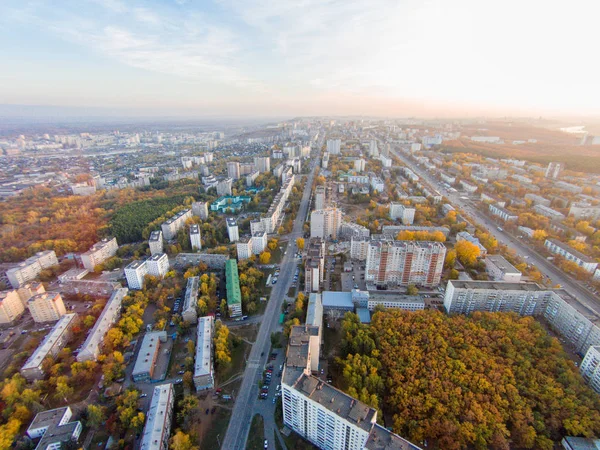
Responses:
[382,439]
[203,364]
[134,265]
[194,229]
[496,285]
[157,257]
[191,294]
[158,417]
[502,264]
[155,236]
[231,222]
[49,341]
[333,299]
[145,357]
[572,251]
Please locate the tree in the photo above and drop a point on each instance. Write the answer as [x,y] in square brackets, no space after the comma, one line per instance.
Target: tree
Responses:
[181,441]
[223,308]
[265,257]
[300,302]
[95,415]
[411,289]
[539,235]
[466,252]
[300,243]
[450,259]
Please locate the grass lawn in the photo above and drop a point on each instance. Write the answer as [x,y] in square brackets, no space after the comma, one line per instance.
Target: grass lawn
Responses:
[237,362]
[214,436]
[257,433]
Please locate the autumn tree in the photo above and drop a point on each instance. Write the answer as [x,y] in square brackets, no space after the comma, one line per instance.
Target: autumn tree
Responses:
[95,415]
[265,257]
[182,441]
[300,243]
[539,235]
[222,343]
[466,252]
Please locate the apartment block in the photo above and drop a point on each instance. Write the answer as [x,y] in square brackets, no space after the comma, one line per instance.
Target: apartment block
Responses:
[312,275]
[158,420]
[251,178]
[465,236]
[234,294]
[502,213]
[30,268]
[55,429]
[99,252]
[212,260]
[583,210]
[566,251]
[158,265]
[320,196]
[232,230]
[233,170]
[203,365]
[200,209]
[156,242]
[110,314]
[325,223]
[548,212]
[53,343]
[46,307]
[195,238]
[11,306]
[171,226]
[143,369]
[135,272]
[259,242]
[402,212]
[190,300]
[348,230]
[262,164]
[359,247]
[334,146]
[405,262]
[553,170]
[244,248]
[224,186]
[499,269]
[537,199]
[590,367]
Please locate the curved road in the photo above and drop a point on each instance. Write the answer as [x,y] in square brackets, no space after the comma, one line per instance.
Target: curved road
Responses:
[241,416]
[556,275]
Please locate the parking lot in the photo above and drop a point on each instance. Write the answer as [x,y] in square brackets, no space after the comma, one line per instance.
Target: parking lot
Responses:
[354,279]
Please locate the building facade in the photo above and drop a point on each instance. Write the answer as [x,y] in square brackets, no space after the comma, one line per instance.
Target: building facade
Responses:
[402,212]
[155,242]
[232,230]
[195,238]
[171,226]
[11,306]
[234,294]
[46,307]
[566,251]
[99,252]
[325,223]
[190,300]
[203,365]
[158,265]
[135,272]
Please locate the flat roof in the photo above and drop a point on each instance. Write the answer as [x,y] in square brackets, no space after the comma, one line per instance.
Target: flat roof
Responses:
[231,222]
[314,312]
[157,257]
[333,299]
[203,365]
[496,285]
[572,251]
[382,439]
[145,357]
[155,236]
[502,264]
[134,265]
[49,341]
[363,315]
[190,297]
[158,417]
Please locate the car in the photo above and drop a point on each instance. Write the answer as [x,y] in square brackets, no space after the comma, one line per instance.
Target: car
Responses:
[179,381]
[143,395]
[181,372]
[207,411]
[274,400]
[266,443]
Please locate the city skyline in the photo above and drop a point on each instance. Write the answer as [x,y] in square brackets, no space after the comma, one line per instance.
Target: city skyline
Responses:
[263,58]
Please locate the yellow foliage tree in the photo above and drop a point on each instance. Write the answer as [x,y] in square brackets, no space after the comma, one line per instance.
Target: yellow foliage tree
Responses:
[539,235]
[466,252]
[300,243]
[265,257]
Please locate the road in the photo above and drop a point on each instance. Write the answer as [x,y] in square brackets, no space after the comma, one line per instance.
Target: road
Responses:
[245,403]
[556,275]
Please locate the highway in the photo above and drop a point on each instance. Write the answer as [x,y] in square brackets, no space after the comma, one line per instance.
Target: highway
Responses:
[556,275]
[245,402]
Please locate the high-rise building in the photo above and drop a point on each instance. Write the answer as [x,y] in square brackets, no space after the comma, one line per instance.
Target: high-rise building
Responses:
[320,197]
[314,265]
[233,170]
[158,265]
[224,186]
[259,242]
[244,248]
[232,230]
[171,226]
[158,422]
[11,306]
[251,178]
[30,268]
[553,170]
[334,146]
[359,165]
[99,252]
[135,272]
[373,150]
[234,294]
[262,164]
[46,307]
[200,209]
[359,247]
[405,262]
[203,366]
[590,367]
[156,242]
[195,239]
[325,223]
[402,212]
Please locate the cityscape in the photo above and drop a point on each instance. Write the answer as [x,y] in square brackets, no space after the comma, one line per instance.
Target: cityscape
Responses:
[298,225]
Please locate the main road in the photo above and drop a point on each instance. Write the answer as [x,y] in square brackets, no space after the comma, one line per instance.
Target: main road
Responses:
[556,275]
[241,416]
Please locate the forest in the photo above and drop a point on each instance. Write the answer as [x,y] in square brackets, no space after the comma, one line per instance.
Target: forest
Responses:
[488,381]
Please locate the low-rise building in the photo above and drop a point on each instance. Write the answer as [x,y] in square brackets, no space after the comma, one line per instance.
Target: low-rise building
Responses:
[583,210]
[499,269]
[502,213]
[203,365]
[55,429]
[158,265]
[143,370]
[99,252]
[135,272]
[566,251]
[46,307]
[110,314]
[212,260]
[234,294]
[53,343]
[190,300]
[548,212]
[158,421]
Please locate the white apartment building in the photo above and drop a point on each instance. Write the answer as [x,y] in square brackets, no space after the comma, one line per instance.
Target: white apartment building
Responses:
[590,367]
[447,178]
[251,178]
[334,146]
[158,421]
[158,265]
[499,269]
[386,161]
[360,165]
[373,150]
[156,242]
[405,262]
[468,187]
[259,242]
[224,186]
[30,268]
[232,230]
[325,223]
[46,307]
[203,365]
[377,184]
[548,212]
[359,248]
[244,248]
[110,314]
[553,170]
[566,251]
[262,164]
[99,252]
[11,306]
[402,212]
[200,209]
[320,197]
[502,213]
[195,238]
[54,428]
[135,273]
[190,300]
[537,199]
[53,343]
[312,275]
[171,226]
[348,230]
[582,210]
[233,170]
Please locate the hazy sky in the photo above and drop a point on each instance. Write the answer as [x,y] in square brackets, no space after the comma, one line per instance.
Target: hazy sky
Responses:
[269,57]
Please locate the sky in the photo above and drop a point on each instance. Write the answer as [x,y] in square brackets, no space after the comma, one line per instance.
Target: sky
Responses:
[303,57]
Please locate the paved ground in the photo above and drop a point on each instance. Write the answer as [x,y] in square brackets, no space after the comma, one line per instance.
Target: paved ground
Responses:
[241,418]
